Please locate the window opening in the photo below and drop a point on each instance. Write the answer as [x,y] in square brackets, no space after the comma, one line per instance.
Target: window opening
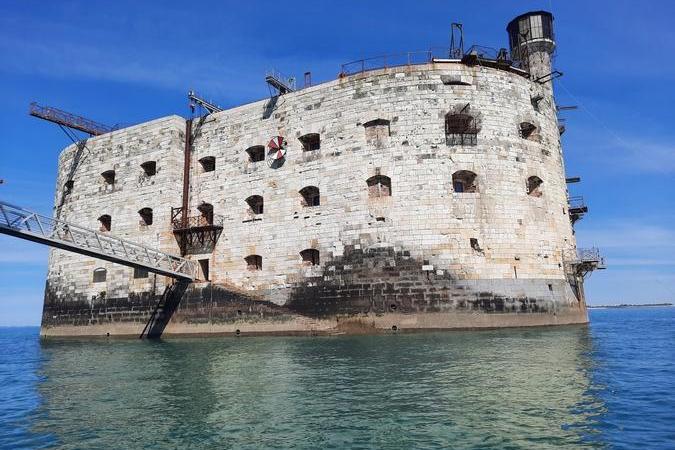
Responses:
[377,131]
[464,181]
[149,168]
[379,186]
[255,203]
[208,164]
[256,153]
[105,222]
[146,216]
[310,257]
[534,186]
[528,131]
[205,214]
[460,129]
[100,275]
[204,266]
[310,142]
[310,196]
[253,262]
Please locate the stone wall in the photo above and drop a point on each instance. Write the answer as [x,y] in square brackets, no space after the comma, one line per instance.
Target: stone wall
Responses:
[70,287]
[517,233]
[516,261]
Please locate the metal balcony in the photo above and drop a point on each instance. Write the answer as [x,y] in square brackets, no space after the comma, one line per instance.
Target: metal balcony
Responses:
[577,208]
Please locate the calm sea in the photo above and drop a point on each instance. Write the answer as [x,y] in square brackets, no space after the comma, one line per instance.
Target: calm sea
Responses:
[610,385]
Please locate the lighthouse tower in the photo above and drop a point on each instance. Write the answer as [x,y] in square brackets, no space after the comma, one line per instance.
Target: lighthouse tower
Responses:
[532,43]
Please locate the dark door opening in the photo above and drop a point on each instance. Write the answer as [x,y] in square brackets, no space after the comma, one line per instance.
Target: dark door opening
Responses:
[204,265]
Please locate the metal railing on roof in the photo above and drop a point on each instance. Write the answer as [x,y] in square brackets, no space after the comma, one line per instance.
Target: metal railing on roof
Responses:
[393,60]
[423,57]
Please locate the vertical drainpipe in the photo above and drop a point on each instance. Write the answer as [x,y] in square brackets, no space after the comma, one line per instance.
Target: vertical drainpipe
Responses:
[186,177]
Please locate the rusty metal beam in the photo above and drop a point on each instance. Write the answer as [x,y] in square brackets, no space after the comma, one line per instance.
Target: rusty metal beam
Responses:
[69,120]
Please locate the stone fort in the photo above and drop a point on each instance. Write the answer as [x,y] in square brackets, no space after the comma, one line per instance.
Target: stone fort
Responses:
[420,196]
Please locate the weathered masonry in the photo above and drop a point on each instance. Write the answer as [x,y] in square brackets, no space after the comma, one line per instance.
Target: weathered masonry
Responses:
[421,196]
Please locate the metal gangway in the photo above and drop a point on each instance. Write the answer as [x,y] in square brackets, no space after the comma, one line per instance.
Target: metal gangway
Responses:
[24,224]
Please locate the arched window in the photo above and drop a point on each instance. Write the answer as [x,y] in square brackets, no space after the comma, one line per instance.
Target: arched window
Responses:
[208,163]
[146,216]
[256,153]
[253,262]
[109,177]
[379,186]
[377,131]
[534,186]
[255,203]
[105,221]
[100,275]
[464,181]
[149,168]
[460,129]
[68,186]
[528,131]
[310,142]
[310,196]
[205,214]
[310,257]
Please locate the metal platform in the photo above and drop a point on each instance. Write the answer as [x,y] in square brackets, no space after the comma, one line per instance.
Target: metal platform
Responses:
[577,208]
[583,261]
[23,224]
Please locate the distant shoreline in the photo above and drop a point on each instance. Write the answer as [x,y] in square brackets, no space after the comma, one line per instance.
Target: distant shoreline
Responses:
[628,305]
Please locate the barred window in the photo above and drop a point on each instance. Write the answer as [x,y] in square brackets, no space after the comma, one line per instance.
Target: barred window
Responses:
[460,129]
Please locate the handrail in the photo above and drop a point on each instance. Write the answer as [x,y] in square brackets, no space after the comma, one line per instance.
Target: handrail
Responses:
[392,60]
[26,224]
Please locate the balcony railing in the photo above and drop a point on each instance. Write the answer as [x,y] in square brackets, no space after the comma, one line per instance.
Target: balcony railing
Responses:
[590,258]
[590,255]
[577,203]
[180,223]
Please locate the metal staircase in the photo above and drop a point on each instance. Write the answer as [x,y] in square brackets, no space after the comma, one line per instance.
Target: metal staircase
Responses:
[18,222]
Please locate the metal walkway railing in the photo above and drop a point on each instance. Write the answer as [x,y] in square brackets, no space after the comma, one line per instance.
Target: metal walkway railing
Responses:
[18,222]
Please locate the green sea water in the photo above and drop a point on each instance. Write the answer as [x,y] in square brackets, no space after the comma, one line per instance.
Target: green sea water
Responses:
[609,385]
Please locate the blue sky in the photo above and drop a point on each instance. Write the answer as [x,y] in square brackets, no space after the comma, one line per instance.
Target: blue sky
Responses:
[124,62]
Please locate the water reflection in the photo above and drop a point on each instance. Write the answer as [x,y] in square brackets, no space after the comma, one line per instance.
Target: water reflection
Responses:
[491,389]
